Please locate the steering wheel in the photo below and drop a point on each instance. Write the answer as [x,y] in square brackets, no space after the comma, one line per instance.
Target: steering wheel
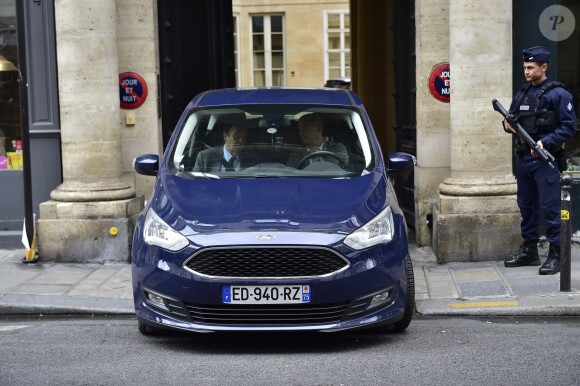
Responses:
[323,154]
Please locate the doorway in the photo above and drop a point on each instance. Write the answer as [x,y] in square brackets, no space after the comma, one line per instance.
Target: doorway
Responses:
[196,51]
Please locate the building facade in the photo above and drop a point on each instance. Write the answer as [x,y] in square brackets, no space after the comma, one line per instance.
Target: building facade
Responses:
[82,139]
[299,43]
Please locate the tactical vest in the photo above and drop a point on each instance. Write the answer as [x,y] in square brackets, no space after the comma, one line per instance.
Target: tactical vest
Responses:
[536,121]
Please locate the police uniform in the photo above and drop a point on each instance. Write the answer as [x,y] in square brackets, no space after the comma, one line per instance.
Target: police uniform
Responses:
[546,112]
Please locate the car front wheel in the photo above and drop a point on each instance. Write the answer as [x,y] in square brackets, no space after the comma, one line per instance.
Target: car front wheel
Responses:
[145,329]
[402,324]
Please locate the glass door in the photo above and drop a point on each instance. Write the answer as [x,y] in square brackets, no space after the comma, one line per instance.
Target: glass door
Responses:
[11,187]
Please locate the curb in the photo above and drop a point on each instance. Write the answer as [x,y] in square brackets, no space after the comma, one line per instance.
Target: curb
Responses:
[60,305]
[566,304]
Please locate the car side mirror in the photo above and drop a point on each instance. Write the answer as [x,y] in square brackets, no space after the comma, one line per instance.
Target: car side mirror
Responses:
[146,164]
[400,161]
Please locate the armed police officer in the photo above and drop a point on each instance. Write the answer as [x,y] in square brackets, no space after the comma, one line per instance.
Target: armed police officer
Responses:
[545,111]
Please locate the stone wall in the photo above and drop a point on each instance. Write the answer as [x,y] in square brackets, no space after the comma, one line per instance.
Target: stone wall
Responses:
[138,51]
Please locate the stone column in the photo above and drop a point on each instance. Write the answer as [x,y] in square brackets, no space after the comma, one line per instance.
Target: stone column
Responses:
[433,158]
[89,216]
[476,217]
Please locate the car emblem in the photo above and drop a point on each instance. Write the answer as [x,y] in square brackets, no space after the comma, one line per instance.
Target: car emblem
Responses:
[265,237]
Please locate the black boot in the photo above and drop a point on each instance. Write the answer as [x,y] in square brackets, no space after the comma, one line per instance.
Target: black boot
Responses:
[527,255]
[552,264]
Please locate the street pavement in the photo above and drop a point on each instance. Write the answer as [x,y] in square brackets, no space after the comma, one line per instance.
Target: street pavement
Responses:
[476,289]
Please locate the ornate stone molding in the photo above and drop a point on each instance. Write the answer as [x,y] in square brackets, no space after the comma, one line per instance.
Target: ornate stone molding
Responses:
[478,187]
[107,190]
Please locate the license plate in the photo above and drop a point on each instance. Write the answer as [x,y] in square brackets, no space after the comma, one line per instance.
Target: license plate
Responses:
[265,294]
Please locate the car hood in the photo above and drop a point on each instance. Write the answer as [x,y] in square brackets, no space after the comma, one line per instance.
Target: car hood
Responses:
[269,204]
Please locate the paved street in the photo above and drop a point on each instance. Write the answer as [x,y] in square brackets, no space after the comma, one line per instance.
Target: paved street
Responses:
[432,351]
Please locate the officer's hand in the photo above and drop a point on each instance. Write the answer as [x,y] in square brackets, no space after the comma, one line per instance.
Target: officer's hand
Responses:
[540,145]
[507,127]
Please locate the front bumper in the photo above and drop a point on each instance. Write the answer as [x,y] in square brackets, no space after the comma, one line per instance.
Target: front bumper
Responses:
[339,301]
[353,316]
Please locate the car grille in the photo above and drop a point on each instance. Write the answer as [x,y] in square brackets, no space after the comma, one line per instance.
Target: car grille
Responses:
[266,262]
[230,315]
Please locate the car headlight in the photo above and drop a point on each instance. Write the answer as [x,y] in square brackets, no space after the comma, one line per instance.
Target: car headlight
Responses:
[379,230]
[157,232]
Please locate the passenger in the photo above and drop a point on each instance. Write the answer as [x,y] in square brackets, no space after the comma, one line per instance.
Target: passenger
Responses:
[310,132]
[229,157]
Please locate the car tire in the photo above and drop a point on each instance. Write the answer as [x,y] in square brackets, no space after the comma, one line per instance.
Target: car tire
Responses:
[147,330]
[402,324]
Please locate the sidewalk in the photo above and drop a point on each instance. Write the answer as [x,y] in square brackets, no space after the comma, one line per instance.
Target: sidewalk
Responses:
[63,288]
[477,289]
[489,288]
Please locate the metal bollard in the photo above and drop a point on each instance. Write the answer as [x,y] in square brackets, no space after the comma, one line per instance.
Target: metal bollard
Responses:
[565,232]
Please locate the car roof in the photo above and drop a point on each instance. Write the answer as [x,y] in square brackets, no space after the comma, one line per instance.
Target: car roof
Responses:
[276,95]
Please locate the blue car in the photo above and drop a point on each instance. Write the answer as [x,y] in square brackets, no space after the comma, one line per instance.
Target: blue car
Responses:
[272,210]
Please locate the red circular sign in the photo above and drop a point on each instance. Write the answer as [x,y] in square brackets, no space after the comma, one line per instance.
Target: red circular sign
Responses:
[133,90]
[440,82]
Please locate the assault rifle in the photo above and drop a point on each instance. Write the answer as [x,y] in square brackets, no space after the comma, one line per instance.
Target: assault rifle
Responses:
[524,136]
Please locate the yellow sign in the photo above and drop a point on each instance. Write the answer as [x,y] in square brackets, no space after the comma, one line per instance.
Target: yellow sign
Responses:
[14,160]
[565,215]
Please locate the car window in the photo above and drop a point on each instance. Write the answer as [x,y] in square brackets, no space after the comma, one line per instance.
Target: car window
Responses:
[272,141]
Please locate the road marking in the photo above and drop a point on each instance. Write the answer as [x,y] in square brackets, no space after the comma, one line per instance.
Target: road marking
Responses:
[10,328]
[508,303]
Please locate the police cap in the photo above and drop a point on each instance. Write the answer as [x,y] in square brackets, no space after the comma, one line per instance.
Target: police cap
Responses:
[536,54]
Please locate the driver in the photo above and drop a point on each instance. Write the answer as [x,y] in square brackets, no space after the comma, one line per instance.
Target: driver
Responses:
[229,157]
[310,132]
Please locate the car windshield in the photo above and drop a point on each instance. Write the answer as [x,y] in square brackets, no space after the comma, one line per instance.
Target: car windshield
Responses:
[272,141]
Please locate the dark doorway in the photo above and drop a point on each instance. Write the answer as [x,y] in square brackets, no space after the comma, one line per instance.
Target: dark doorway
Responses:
[196,50]
[405,99]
